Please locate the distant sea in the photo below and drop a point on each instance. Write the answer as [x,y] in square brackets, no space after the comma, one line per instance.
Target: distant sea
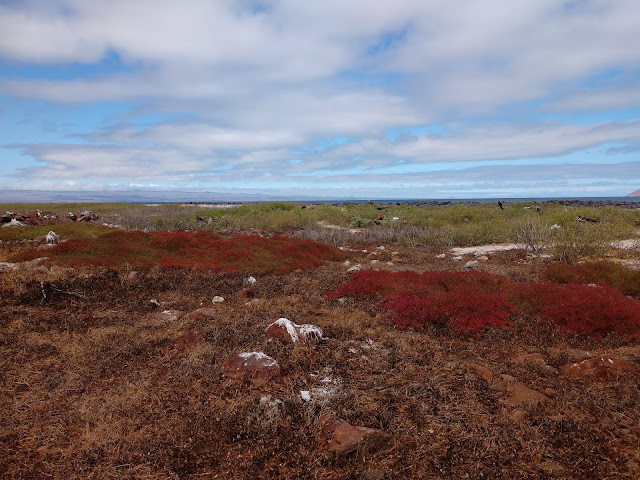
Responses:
[33,196]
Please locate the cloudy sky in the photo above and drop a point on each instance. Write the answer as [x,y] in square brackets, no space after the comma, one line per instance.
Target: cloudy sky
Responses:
[335,98]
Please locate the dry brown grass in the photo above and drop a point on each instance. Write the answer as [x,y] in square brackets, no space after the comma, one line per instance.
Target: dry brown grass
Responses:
[91,387]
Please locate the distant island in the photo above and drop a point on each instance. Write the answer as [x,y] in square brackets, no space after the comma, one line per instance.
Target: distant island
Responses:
[634,194]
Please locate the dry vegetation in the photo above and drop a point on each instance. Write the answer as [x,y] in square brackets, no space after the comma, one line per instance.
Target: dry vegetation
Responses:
[94,384]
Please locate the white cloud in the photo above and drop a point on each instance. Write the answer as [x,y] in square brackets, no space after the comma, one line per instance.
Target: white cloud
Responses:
[262,84]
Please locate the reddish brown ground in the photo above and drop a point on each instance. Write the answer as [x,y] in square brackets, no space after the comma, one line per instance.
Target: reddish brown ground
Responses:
[96,384]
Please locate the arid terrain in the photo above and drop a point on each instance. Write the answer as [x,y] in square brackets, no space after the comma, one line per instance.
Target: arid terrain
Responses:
[114,369]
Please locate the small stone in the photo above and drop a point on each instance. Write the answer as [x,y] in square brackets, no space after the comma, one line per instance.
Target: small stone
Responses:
[355,268]
[442,255]
[481,371]
[187,342]
[381,247]
[373,262]
[550,392]
[520,394]
[483,258]
[169,315]
[251,366]
[202,315]
[471,264]
[305,395]
[341,437]
[251,280]
[457,258]
[217,299]
[346,263]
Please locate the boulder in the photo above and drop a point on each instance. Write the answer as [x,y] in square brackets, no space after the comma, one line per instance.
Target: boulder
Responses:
[251,366]
[340,437]
[284,330]
[601,369]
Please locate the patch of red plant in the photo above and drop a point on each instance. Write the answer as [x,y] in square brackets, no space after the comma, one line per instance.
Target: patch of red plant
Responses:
[625,279]
[590,309]
[468,302]
[205,250]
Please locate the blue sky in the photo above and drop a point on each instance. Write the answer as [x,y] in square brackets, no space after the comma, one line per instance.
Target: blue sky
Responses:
[376,99]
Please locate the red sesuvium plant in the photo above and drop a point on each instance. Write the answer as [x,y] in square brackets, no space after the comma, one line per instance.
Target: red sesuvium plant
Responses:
[468,302]
[205,250]
[625,279]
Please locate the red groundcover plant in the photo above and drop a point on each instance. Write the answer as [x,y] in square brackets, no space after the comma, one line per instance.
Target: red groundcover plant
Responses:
[591,309]
[625,279]
[205,250]
[468,302]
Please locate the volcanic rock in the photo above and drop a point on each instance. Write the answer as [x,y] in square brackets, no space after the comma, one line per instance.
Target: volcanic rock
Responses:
[187,342]
[599,369]
[340,437]
[251,366]
[202,315]
[286,331]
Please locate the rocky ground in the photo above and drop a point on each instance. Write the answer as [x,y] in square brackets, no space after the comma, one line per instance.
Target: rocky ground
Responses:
[136,374]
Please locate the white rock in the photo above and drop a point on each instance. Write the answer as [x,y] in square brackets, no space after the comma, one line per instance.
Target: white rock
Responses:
[373,262]
[251,281]
[471,264]
[381,247]
[306,395]
[217,299]
[484,258]
[52,238]
[457,258]
[355,268]
[395,219]
[555,226]
[442,255]
[347,263]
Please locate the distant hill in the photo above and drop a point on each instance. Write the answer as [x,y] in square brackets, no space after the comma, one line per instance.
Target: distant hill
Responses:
[634,194]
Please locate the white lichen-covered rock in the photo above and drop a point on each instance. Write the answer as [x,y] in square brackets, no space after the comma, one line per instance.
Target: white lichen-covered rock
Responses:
[52,238]
[217,299]
[442,255]
[251,280]
[251,366]
[457,258]
[355,268]
[284,330]
[471,264]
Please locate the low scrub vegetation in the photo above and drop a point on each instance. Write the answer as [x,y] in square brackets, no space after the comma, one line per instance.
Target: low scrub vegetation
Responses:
[468,302]
[205,250]
[65,230]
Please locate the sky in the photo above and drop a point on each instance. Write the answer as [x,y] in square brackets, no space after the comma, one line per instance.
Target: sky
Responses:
[334,98]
